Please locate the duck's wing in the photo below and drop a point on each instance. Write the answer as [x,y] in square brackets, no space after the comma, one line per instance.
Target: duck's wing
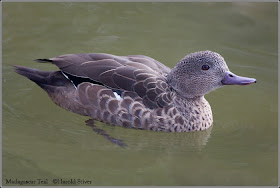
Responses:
[135,75]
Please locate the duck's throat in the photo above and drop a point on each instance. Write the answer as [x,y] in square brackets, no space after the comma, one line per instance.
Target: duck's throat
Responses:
[196,112]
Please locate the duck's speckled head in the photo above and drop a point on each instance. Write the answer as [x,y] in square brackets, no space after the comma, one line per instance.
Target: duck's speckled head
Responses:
[201,72]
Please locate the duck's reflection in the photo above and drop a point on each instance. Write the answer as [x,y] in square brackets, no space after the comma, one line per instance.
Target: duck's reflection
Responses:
[150,140]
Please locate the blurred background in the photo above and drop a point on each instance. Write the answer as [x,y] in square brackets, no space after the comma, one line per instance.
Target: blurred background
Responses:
[42,140]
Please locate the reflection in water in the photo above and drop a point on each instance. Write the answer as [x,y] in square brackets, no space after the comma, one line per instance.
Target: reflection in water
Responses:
[164,141]
[175,142]
[103,133]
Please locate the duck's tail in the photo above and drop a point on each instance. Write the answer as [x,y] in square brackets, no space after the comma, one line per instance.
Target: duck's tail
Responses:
[60,89]
[37,76]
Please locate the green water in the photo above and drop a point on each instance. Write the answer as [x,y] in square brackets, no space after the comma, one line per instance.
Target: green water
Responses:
[41,140]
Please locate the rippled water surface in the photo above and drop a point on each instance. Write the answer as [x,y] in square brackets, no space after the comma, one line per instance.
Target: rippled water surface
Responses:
[42,140]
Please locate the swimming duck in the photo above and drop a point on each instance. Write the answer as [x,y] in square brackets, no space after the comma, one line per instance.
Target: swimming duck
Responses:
[136,91]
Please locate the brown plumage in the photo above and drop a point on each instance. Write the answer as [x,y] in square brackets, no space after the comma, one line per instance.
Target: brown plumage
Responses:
[136,91]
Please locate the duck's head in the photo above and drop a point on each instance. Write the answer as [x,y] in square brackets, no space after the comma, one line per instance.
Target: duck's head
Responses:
[201,72]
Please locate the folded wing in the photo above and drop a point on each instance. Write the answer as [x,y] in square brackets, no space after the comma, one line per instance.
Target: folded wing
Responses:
[135,74]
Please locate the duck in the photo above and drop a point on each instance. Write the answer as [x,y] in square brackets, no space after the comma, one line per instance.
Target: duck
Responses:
[136,91]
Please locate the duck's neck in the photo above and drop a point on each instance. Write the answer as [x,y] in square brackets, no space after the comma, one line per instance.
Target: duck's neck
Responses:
[196,112]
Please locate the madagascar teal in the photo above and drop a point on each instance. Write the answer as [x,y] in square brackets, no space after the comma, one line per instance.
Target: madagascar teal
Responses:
[137,91]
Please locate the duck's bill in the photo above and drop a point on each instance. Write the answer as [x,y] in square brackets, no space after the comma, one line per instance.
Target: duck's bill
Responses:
[232,79]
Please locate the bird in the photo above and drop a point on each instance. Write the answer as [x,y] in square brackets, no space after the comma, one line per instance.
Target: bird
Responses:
[136,91]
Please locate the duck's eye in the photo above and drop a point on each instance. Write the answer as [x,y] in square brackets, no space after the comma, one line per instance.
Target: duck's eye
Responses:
[205,67]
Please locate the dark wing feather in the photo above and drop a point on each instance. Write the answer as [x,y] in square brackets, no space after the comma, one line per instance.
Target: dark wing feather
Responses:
[93,69]
[124,82]
[107,79]
[139,88]
[138,74]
